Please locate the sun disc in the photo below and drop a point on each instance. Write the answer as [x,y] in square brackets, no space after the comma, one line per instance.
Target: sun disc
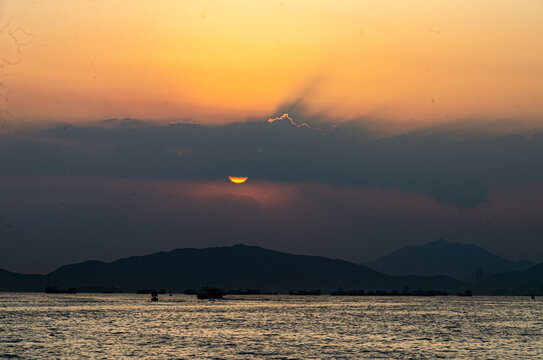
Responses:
[237,179]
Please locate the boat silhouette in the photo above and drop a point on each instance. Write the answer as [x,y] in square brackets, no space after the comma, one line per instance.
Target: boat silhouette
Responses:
[465,293]
[348,293]
[209,293]
[305,292]
[55,290]
[150,291]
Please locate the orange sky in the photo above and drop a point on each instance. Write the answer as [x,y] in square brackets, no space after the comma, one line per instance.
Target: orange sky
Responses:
[418,62]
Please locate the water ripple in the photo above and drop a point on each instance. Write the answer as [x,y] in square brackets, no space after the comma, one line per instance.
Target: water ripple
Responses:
[102,326]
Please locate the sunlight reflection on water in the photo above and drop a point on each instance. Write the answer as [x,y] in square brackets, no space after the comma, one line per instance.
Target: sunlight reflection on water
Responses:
[271,327]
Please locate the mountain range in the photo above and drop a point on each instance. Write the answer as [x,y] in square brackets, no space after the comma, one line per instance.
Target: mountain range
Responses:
[441,257]
[430,266]
[531,278]
[233,267]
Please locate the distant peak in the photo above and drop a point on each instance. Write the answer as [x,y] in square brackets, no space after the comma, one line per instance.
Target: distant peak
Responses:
[245,246]
[441,241]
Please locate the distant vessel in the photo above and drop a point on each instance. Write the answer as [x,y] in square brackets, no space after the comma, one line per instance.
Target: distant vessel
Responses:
[154,296]
[383,293]
[55,290]
[99,289]
[348,293]
[150,291]
[430,292]
[465,293]
[209,293]
[305,292]
[244,292]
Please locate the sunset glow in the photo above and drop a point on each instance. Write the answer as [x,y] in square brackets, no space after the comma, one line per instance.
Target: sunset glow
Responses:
[408,64]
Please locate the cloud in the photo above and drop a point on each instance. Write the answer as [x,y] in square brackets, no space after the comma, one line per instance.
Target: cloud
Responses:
[286,117]
[451,170]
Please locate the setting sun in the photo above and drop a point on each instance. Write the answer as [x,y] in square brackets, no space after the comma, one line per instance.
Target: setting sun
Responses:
[237,179]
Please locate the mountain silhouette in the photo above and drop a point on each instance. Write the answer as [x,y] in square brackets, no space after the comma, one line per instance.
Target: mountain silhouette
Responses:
[445,258]
[10,281]
[531,278]
[233,267]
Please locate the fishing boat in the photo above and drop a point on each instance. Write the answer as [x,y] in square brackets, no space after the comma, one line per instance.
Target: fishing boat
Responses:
[209,293]
[305,292]
[55,290]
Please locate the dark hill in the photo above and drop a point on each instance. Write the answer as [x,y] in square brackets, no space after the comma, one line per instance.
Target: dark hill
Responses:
[235,267]
[531,278]
[10,281]
[445,258]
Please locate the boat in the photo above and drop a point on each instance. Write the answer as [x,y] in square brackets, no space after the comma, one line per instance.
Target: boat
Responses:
[150,291]
[244,292]
[305,292]
[384,293]
[430,292]
[55,290]
[348,293]
[209,293]
[465,293]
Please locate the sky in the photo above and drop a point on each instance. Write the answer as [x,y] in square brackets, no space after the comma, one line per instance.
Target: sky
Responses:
[414,63]
[362,126]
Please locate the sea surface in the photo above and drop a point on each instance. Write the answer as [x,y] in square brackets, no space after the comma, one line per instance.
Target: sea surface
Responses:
[101,326]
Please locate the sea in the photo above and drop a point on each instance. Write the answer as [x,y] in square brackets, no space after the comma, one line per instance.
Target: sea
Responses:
[104,326]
